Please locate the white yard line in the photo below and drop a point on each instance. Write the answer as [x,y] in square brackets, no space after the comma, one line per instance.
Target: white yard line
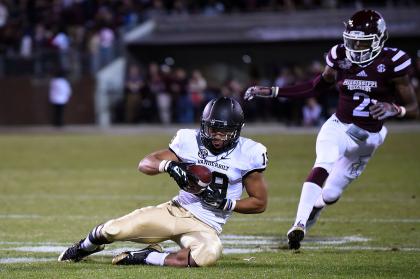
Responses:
[233,244]
[24,260]
[233,219]
[328,220]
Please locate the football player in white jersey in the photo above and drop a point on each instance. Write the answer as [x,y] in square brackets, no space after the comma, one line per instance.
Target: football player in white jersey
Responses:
[373,83]
[193,221]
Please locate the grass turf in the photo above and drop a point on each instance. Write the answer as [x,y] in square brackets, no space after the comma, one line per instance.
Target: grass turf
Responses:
[54,188]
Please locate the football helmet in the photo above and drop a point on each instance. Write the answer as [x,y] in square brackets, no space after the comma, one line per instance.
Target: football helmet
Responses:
[364,36]
[222,121]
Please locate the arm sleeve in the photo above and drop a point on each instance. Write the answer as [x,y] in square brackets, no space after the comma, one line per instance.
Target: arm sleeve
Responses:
[176,143]
[257,160]
[306,89]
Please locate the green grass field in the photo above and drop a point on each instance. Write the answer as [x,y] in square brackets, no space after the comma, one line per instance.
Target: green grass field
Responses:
[54,188]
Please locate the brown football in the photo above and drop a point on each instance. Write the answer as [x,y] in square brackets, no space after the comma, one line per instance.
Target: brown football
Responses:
[204,176]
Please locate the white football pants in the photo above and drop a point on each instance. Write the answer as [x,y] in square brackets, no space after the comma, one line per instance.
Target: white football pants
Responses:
[343,157]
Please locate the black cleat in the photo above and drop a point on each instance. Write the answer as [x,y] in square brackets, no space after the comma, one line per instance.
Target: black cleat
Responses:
[136,257]
[295,235]
[76,254]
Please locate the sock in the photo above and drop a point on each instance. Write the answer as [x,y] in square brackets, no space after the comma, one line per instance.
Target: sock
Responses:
[156,258]
[94,239]
[308,197]
[87,245]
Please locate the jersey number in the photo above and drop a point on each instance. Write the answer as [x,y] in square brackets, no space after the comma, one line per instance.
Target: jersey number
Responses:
[220,183]
[360,109]
[265,158]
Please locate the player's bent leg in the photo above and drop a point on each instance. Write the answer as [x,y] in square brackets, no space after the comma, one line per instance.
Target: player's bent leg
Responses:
[147,225]
[206,247]
[151,224]
[329,149]
[344,172]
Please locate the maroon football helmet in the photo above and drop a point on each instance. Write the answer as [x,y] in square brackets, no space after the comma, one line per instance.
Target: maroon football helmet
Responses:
[364,36]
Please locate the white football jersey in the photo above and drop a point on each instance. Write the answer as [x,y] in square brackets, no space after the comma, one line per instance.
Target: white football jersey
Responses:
[229,169]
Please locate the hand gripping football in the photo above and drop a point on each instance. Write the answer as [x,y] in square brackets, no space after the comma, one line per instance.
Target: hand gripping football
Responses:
[200,178]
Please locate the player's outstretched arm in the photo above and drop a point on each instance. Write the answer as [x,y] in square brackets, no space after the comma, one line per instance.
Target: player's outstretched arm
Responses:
[256,202]
[306,89]
[408,107]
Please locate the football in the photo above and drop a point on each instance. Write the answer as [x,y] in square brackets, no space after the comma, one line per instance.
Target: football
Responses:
[204,176]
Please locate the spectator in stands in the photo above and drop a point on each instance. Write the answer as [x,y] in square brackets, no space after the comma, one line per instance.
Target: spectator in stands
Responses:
[283,108]
[61,41]
[93,50]
[4,13]
[59,95]
[134,85]
[311,113]
[106,45]
[182,102]
[26,45]
[196,87]
[157,84]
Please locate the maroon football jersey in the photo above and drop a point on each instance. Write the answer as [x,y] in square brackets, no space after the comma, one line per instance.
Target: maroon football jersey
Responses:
[361,86]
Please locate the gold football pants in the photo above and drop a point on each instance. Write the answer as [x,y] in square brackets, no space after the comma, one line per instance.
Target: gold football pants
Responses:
[166,221]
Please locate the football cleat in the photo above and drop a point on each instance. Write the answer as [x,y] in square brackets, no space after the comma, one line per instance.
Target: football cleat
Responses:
[136,257]
[295,235]
[313,217]
[75,253]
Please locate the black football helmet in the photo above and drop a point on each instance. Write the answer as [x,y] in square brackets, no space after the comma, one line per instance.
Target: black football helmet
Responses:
[364,36]
[222,115]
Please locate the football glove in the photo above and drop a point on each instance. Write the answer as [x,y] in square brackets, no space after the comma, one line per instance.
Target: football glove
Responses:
[214,199]
[177,170]
[383,110]
[260,91]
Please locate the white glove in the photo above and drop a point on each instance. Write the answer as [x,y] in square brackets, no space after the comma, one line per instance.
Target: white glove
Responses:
[260,91]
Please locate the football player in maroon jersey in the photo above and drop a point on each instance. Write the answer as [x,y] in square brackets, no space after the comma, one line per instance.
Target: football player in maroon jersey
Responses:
[373,86]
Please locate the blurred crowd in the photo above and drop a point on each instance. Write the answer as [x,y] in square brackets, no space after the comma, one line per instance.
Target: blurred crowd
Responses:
[81,36]
[38,36]
[161,94]
[41,37]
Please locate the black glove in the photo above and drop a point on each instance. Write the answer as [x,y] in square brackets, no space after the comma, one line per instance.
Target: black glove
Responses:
[177,170]
[215,199]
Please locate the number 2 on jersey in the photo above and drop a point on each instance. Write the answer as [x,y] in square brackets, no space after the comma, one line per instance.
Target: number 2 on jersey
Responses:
[360,109]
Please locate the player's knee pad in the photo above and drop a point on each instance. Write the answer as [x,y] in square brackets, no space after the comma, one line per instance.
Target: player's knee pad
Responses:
[111,230]
[331,195]
[206,255]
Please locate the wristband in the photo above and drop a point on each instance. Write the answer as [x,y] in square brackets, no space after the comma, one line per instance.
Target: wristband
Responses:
[274,91]
[230,205]
[403,112]
[162,165]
